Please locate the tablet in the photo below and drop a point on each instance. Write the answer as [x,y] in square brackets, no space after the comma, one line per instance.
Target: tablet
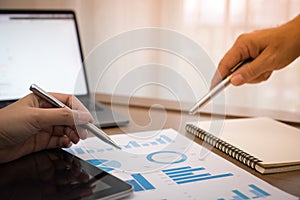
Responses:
[56,174]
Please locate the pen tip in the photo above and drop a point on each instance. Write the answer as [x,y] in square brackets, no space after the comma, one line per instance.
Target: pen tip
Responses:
[191,112]
[115,144]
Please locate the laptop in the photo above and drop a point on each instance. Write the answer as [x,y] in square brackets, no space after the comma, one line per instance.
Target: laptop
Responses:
[43,47]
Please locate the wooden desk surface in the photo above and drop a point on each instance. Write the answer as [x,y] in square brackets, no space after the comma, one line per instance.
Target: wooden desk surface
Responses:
[142,118]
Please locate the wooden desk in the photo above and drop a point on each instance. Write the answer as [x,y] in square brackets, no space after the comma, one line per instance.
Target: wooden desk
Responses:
[140,116]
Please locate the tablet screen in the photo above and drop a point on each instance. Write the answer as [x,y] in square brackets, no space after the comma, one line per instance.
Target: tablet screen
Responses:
[56,174]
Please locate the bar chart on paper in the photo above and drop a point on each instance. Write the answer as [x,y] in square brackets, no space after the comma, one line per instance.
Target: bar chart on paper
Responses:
[160,140]
[187,174]
[140,183]
[254,193]
[179,172]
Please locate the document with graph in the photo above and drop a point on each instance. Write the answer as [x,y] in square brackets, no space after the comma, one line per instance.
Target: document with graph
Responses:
[164,164]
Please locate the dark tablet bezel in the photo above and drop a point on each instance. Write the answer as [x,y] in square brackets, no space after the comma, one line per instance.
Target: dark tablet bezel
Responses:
[118,188]
[58,164]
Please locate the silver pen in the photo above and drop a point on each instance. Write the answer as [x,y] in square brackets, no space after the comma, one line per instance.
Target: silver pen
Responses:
[89,126]
[213,92]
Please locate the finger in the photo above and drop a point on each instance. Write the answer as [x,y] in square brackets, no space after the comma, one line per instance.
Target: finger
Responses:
[230,59]
[60,116]
[82,117]
[71,133]
[68,131]
[74,132]
[251,71]
[243,48]
[58,130]
[54,116]
[82,132]
[45,140]
[72,102]
[58,142]
[265,76]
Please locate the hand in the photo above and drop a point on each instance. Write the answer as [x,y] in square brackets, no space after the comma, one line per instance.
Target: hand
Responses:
[271,49]
[31,124]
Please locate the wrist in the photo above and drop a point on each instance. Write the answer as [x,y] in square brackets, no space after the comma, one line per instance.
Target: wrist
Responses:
[293,30]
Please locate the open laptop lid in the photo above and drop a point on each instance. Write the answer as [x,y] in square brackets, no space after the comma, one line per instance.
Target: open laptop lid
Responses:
[41,47]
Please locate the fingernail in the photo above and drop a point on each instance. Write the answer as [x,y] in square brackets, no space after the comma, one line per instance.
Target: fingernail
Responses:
[83,117]
[83,134]
[69,145]
[237,80]
[267,75]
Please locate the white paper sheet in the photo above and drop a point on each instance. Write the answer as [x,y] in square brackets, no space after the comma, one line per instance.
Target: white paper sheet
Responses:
[166,165]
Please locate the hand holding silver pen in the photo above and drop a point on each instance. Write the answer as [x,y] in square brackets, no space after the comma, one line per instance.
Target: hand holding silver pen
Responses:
[89,126]
[214,91]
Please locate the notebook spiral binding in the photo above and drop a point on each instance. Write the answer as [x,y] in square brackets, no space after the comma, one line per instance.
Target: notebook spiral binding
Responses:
[223,146]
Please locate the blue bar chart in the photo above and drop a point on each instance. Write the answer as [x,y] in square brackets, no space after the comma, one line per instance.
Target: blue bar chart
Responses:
[239,195]
[258,192]
[132,144]
[187,174]
[79,150]
[254,192]
[162,139]
[140,183]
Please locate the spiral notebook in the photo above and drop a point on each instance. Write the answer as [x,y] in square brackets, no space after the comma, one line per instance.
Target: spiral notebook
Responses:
[266,145]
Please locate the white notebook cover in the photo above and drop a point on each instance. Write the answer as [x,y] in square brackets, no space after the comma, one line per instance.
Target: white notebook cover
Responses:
[274,143]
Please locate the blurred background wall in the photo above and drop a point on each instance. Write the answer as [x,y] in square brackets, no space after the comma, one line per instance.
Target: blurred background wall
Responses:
[213,24]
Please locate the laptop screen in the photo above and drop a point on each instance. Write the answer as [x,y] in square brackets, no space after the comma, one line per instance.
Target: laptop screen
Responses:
[40,48]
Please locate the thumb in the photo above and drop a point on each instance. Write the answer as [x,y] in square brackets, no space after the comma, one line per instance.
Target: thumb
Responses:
[249,71]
